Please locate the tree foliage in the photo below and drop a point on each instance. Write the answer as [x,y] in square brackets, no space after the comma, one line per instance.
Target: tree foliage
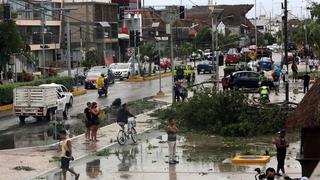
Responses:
[11,41]
[91,59]
[226,113]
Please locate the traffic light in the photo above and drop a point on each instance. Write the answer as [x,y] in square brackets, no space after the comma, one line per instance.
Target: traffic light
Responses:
[121,14]
[6,12]
[137,38]
[65,41]
[181,12]
[131,38]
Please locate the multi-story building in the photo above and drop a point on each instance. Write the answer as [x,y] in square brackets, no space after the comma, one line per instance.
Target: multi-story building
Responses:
[29,18]
[94,25]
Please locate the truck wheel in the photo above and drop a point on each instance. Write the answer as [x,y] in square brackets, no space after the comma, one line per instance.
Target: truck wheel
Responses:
[22,119]
[65,113]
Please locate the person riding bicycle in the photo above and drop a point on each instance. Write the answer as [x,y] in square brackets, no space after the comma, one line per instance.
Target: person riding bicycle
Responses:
[123,115]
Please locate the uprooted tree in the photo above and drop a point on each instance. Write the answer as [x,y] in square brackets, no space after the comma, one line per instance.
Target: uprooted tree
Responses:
[226,113]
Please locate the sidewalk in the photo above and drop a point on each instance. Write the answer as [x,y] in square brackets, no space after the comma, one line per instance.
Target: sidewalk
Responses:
[41,158]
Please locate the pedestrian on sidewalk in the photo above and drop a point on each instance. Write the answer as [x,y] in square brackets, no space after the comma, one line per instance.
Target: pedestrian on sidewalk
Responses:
[177,90]
[306,82]
[294,68]
[66,155]
[225,83]
[87,121]
[310,63]
[10,76]
[316,63]
[95,121]
[172,131]
[281,146]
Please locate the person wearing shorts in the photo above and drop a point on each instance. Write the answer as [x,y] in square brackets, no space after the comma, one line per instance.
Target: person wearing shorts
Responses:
[66,155]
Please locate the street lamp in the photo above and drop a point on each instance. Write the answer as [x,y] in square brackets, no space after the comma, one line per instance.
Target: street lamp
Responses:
[215,13]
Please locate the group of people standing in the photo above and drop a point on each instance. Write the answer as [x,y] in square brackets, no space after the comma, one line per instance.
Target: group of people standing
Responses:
[313,64]
[180,92]
[92,121]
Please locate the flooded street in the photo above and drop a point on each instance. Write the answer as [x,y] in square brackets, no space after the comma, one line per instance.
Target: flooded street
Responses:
[200,157]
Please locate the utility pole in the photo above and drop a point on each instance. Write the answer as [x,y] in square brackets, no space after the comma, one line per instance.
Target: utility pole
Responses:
[68,47]
[217,57]
[43,16]
[171,53]
[285,27]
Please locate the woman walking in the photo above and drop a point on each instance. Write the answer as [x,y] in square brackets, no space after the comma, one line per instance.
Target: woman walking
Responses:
[95,121]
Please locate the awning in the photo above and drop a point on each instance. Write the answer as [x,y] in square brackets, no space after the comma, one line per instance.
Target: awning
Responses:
[123,36]
[104,24]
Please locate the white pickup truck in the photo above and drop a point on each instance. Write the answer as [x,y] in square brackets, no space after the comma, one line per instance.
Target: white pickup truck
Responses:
[39,102]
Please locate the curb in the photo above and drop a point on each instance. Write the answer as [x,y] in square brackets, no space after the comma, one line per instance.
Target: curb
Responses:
[148,78]
[6,107]
[79,92]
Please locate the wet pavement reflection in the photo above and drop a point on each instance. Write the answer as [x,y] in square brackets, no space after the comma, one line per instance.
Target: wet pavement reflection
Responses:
[199,156]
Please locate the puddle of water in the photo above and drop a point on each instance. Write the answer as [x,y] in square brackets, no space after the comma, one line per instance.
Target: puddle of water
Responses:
[197,154]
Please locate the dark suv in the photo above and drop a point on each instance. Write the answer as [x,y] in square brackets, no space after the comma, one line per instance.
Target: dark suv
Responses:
[245,79]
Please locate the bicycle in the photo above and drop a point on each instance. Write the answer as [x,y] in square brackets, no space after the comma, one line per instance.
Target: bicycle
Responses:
[124,135]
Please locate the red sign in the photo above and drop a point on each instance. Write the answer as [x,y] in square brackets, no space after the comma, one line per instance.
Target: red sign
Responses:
[124,30]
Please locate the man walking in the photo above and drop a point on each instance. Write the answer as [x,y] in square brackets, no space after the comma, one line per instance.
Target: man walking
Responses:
[281,146]
[306,82]
[172,131]
[66,155]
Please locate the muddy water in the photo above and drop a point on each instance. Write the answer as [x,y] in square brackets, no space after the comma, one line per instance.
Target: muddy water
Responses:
[198,155]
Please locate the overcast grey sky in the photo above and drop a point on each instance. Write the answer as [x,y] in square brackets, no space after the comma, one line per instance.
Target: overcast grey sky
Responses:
[263,6]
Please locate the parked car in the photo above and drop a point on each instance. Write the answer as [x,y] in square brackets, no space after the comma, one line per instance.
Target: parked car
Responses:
[205,68]
[61,90]
[92,76]
[245,79]
[232,57]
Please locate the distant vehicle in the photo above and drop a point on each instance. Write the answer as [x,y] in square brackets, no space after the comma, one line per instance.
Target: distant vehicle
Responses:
[245,79]
[165,63]
[39,102]
[122,70]
[205,68]
[207,54]
[92,76]
[195,56]
[265,64]
[253,65]
[263,52]
[232,57]
[79,74]
[62,90]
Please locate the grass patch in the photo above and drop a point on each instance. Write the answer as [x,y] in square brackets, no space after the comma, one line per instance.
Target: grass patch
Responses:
[105,152]
[23,168]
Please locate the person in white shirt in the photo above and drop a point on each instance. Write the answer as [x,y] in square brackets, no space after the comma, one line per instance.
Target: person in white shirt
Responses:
[310,63]
[316,63]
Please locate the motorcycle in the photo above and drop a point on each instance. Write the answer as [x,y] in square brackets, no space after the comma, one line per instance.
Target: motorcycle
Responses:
[103,91]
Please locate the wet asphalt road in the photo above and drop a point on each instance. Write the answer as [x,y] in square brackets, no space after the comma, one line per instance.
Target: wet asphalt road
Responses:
[11,131]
